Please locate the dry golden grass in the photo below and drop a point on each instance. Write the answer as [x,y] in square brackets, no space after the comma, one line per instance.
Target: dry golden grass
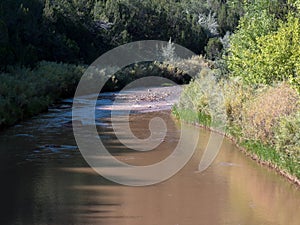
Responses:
[263,113]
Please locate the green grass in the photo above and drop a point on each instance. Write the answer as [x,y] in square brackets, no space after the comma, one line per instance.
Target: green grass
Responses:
[271,155]
[191,116]
[263,152]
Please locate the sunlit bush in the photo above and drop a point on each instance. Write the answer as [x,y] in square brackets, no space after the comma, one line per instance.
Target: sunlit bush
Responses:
[236,93]
[287,135]
[203,100]
[264,50]
[263,112]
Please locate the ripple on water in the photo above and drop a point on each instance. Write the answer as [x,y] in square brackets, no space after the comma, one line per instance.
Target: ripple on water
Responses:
[227,164]
[52,151]
[25,135]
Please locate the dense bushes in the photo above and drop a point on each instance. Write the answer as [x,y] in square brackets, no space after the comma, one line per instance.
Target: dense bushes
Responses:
[35,30]
[266,46]
[144,69]
[25,92]
[178,71]
[287,135]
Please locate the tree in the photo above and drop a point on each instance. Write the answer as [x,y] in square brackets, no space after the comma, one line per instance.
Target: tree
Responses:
[264,51]
[214,48]
[256,23]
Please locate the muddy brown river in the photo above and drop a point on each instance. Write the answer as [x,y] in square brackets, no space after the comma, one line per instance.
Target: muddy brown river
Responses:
[45,180]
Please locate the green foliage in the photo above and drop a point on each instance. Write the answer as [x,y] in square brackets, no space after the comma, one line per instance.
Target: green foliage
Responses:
[244,46]
[287,136]
[145,69]
[58,30]
[213,48]
[144,20]
[266,46]
[198,94]
[195,96]
[25,92]
[202,99]
[78,31]
[228,14]
[236,94]
[279,57]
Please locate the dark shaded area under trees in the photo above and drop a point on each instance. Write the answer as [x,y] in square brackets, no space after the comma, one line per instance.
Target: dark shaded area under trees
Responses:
[78,31]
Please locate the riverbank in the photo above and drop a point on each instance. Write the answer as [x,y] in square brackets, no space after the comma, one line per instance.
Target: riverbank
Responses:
[263,121]
[27,92]
[256,153]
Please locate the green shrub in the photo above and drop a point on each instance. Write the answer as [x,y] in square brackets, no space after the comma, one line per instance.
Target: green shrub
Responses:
[236,93]
[214,48]
[264,51]
[202,101]
[25,92]
[195,96]
[279,54]
[287,142]
[287,136]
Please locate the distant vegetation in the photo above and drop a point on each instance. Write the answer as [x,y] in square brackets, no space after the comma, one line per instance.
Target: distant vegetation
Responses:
[79,31]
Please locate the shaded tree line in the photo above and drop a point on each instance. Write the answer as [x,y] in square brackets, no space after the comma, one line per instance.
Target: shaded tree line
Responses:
[78,31]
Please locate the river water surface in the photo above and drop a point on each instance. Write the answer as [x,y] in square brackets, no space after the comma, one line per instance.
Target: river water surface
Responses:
[45,180]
